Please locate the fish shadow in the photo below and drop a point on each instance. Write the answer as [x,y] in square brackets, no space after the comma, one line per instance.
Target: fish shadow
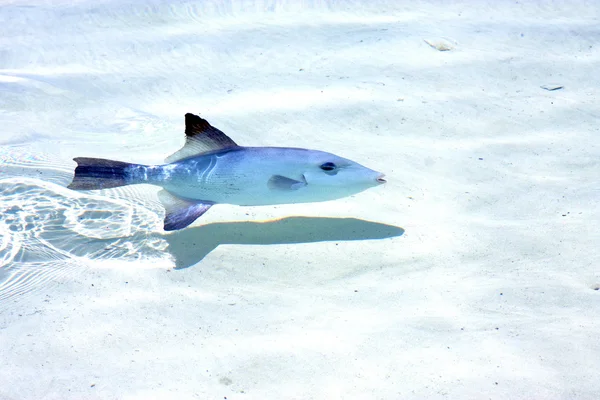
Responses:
[190,246]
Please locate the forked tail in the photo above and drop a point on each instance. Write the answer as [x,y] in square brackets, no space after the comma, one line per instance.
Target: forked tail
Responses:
[98,173]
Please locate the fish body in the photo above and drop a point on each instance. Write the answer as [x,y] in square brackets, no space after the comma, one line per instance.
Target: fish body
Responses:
[212,169]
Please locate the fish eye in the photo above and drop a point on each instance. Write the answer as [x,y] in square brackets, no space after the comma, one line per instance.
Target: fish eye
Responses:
[328,167]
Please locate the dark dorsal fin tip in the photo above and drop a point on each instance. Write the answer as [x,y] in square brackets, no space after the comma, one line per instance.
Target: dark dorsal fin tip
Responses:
[201,137]
[194,125]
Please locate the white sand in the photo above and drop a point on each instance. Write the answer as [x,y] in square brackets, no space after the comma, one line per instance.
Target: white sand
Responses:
[489,293]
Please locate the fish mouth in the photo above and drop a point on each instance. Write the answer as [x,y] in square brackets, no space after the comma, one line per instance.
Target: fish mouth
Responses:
[381,179]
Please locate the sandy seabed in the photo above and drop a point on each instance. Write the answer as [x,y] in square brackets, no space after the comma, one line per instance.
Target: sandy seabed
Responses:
[472,274]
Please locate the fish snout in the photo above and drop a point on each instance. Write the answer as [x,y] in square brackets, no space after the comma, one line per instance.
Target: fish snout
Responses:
[381,179]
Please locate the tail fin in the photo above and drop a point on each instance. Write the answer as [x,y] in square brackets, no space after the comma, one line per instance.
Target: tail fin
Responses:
[98,173]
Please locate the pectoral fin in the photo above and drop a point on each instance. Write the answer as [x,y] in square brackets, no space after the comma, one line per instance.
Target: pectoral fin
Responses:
[278,182]
[180,213]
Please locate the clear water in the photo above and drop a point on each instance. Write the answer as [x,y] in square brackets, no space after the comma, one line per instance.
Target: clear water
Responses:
[472,273]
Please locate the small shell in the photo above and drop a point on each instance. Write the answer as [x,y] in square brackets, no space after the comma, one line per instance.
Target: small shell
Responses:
[552,87]
[440,44]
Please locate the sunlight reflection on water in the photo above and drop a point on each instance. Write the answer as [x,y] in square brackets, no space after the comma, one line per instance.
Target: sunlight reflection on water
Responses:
[48,231]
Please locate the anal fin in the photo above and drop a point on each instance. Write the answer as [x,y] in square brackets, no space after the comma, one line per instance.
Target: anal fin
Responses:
[179,213]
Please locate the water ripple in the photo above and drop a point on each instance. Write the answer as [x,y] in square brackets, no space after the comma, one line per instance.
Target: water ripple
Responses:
[49,233]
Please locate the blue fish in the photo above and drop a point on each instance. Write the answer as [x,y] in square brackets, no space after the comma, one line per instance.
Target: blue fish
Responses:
[212,169]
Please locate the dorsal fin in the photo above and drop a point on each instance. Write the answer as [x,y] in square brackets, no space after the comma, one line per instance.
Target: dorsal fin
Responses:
[200,137]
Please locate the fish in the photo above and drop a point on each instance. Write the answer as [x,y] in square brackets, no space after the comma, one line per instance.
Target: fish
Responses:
[212,169]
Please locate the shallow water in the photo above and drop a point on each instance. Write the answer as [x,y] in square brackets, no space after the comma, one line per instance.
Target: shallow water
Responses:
[472,273]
